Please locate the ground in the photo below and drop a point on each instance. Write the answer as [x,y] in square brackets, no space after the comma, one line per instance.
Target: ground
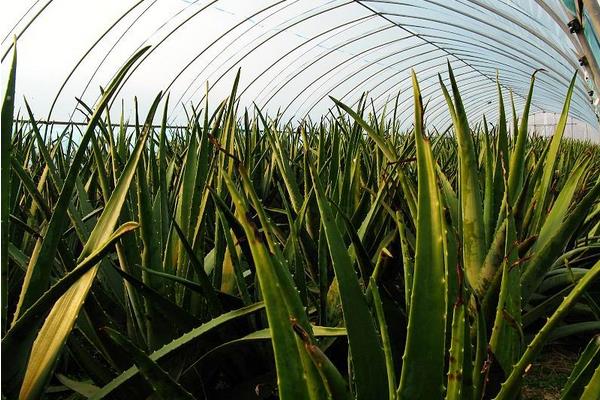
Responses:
[548,374]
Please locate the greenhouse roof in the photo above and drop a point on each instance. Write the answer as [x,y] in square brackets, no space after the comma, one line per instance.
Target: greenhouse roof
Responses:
[294,54]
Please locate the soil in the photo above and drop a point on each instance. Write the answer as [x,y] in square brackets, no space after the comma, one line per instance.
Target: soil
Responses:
[548,374]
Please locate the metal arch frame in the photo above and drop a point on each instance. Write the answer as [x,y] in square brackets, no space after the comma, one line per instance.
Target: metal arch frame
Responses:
[361,83]
[395,84]
[321,55]
[268,39]
[139,47]
[488,47]
[22,32]
[579,102]
[482,102]
[336,49]
[154,48]
[89,50]
[91,78]
[544,89]
[594,69]
[234,27]
[496,12]
[524,26]
[395,23]
[492,50]
[576,104]
[117,42]
[464,90]
[470,94]
[524,83]
[475,32]
[429,89]
[261,74]
[429,78]
[31,7]
[339,46]
[272,86]
[346,60]
[468,97]
[384,16]
[481,109]
[481,34]
[351,60]
[456,52]
[523,73]
[542,85]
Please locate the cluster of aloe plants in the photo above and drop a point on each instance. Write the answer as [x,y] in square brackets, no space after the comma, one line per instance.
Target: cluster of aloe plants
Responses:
[244,257]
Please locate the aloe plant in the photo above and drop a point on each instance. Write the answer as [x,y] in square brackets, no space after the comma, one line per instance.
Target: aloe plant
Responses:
[334,260]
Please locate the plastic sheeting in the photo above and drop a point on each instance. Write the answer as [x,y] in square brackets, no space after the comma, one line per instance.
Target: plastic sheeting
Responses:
[294,54]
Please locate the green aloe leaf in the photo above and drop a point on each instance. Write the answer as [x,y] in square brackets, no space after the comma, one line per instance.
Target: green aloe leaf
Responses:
[39,269]
[472,221]
[510,388]
[283,306]
[368,365]
[178,344]
[427,314]
[583,370]
[543,191]
[163,385]
[57,326]
[6,128]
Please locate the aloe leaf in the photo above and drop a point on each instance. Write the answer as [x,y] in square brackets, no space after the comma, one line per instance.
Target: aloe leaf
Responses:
[472,226]
[582,371]
[368,366]
[551,159]
[151,251]
[517,157]
[561,205]
[407,261]
[502,153]
[265,334]
[83,388]
[489,216]
[593,387]
[281,309]
[318,331]
[6,127]
[38,271]
[536,267]
[511,386]
[163,201]
[178,344]
[209,292]
[385,340]
[23,331]
[336,385]
[169,310]
[282,160]
[387,150]
[162,383]
[61,319]
[506,338]
[455,371]
[427,314]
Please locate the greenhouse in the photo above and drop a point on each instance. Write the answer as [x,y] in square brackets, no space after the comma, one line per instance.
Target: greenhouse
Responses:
[300,199]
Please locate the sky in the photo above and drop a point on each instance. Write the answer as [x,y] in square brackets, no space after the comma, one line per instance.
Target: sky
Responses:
[328,60]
